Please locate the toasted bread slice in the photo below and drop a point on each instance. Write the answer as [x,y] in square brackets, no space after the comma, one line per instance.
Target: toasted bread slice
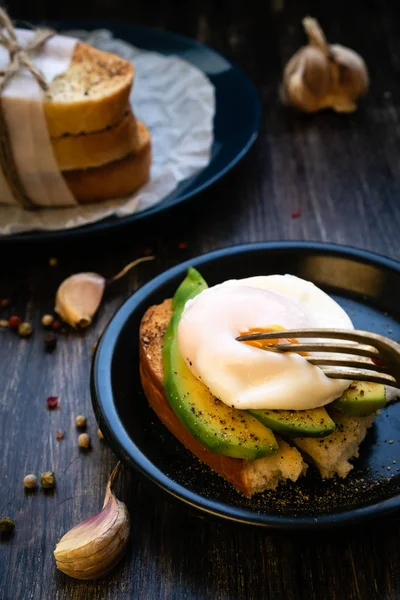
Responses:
[332,454]
[248,476]
[91,95]
[98,148]
[115,179]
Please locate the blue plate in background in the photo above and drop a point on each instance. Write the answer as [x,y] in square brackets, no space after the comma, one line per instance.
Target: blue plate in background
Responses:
[236,121]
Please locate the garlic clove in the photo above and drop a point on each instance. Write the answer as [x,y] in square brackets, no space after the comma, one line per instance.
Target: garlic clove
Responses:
[79,297]
[306,79]
[353,73]
[94,547]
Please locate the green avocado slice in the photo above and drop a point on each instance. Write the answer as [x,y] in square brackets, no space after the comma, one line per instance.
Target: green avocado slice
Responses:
[221,429]
[297,423]
[361,399]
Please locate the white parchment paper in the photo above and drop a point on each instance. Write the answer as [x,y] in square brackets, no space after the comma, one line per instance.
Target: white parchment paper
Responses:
[177,102]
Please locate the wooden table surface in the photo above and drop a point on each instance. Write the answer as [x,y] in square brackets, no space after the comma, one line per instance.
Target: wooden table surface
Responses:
[343,174]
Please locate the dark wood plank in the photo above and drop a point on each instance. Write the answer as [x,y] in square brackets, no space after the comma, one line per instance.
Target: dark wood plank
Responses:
[343,174]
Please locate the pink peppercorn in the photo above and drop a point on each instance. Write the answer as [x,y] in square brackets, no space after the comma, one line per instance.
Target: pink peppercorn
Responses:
[52,402]
[15,322]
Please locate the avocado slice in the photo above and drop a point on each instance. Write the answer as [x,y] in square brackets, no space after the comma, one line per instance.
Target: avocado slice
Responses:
[191,286]
[221,429]
[361,399]
[297,423]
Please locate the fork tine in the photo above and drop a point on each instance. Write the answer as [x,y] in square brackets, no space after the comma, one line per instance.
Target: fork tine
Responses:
[357,363]
[353,335]
[360,375]
[359,349]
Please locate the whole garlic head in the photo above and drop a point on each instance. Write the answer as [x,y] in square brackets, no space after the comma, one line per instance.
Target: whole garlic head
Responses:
[321,75]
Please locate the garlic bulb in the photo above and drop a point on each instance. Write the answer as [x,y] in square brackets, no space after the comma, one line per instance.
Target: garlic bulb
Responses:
[321,75]
[94,547]
[80,295]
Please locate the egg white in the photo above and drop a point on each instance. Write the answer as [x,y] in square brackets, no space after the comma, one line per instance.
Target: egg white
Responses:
[246,377]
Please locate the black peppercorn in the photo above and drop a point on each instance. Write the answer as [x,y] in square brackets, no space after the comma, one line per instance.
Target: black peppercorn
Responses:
[6,525]
[50,342]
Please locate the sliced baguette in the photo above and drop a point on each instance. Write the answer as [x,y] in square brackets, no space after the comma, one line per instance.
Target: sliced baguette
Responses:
[332,454]
[98,148]
[116,179]
[248,476]
[91,95]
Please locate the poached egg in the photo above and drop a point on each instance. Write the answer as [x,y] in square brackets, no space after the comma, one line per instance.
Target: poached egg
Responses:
[247,377]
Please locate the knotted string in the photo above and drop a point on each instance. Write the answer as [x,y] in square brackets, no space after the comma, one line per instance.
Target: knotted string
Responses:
[19,59]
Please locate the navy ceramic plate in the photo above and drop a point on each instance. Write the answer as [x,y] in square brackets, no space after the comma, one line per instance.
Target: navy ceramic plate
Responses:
[236,121]
[365,284]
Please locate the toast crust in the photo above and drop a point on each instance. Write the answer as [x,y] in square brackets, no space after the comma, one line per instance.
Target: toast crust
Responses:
[115,179]
[331,454]
[95,149]
[91,95]
[249,477]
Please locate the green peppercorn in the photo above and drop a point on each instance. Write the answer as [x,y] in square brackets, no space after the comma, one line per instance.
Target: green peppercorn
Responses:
[25,329]
[6,525]
[47,480]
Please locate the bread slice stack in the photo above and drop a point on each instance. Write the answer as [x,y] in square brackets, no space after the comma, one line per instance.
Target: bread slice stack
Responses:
[102,150]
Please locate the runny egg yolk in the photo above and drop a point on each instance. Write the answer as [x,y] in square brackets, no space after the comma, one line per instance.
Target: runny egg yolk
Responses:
[270,342]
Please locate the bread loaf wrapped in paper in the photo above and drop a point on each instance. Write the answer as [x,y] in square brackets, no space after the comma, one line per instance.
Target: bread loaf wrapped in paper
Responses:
[65,117]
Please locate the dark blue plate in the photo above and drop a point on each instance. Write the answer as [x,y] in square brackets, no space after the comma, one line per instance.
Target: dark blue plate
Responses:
[236,122]
[365,284]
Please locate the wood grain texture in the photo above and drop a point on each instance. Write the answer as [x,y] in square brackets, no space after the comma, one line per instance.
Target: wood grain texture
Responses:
[343,174]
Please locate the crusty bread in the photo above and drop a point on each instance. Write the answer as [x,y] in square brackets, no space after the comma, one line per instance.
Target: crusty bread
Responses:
[115,179]
[332,453]
[248,476]
[91,95]
[98,148]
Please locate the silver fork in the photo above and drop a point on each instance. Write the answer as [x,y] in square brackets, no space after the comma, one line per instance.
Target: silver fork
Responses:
[375,358]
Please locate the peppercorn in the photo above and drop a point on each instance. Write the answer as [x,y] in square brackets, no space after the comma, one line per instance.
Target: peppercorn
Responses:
[50,342]
[59,435]
[4,323]
[84,440]
[25,329]
[48,480]
[6,525]
[47,320]
[4,302]
[100,434]
[15,322]
[30,481]
[80,421]
[53,262]
[52,402]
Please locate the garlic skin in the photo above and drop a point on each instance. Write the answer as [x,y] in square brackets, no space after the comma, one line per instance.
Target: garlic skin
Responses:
[92,548]
[79,297]
[322,76]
